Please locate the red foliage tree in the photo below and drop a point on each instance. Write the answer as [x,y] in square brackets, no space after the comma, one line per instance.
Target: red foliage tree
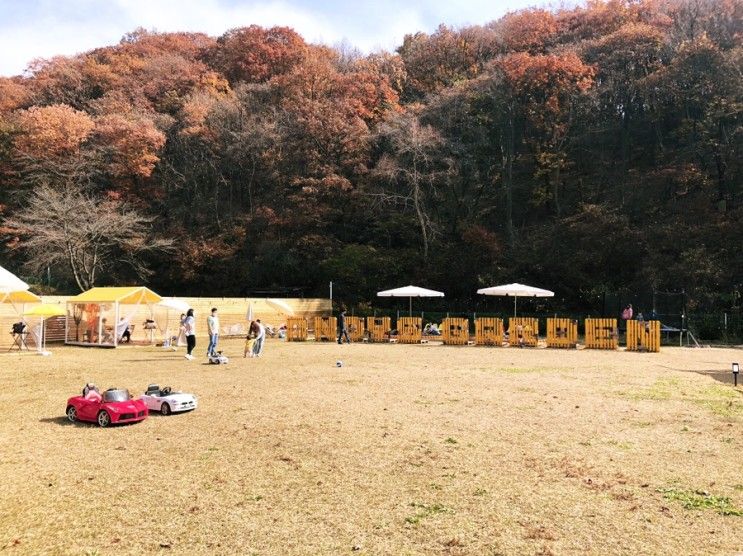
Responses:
[254,54]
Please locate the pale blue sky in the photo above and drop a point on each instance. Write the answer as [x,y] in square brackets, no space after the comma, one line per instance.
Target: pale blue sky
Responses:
[43,28]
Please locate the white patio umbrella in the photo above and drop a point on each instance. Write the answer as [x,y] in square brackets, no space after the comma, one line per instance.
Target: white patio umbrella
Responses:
[410,292]
[516,290]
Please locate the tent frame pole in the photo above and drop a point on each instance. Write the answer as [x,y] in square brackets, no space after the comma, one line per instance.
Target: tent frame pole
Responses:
[116,324]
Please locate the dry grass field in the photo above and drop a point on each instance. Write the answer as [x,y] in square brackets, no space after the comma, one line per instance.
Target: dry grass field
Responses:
[403,450]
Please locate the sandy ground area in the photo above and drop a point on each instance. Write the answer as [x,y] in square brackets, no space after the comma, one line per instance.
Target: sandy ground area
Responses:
[402,450]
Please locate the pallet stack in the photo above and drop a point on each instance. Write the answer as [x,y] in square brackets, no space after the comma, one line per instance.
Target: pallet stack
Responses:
[562,333]
[378,328]
[356,328]
[489,331]
[523,331]
[455,331]
[602,334]
[409,330]
[325,329]
[296,329]
[643,335]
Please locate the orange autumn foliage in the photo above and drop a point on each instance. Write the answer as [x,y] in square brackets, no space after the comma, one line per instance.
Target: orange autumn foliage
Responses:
[52,130]
[132,141]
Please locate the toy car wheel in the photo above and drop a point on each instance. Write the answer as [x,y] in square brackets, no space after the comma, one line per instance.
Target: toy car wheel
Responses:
[165,409]
[71,413]
[104,419]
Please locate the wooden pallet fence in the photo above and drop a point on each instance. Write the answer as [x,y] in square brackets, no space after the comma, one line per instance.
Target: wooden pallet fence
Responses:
[602,334]
[409,330]
[296,329]
[562,333]
[523,331]
[488,331]
[326,329]
[356,328]
[378,328]
[455,331]
[643,335]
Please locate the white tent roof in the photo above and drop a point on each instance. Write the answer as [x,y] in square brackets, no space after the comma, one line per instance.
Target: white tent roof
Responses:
[410,291]
[9,282]
[516,290]
[281,306]
[175,304]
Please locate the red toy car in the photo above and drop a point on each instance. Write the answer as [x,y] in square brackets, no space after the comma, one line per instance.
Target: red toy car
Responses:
[114,406]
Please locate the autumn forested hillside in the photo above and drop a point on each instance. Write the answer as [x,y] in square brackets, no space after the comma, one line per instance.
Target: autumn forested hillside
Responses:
[586,150]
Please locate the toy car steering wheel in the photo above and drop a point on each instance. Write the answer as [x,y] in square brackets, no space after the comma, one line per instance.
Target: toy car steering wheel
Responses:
[165,391]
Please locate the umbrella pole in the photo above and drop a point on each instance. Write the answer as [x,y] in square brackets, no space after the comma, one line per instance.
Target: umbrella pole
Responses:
[515,297]
[410,307]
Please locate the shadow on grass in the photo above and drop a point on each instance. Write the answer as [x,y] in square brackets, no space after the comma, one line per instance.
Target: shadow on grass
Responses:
[724,376]
[65,422]
[62,421]
[153,360]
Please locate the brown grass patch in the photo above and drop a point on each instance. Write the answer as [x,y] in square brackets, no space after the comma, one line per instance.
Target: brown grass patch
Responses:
[403,450]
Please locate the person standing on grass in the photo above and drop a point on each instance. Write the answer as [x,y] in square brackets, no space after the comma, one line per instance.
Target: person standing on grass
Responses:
[212,322]
[260,338]
[343,327]
[250,340]
[189,329]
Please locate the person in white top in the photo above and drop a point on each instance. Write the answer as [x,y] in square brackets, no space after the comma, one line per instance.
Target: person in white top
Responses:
[260,338]
[189,328]
[212,322]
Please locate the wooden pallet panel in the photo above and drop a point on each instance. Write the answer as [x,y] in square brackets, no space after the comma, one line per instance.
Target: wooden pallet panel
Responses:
[455,331]
[326,329]
[378,328]
[409,330]
[489,331]
[602,334]
[356,328]
[562,333]
[523,331]
[296,329]
[643,335]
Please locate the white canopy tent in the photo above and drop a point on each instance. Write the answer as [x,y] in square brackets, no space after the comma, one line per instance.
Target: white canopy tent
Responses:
[410,292]
[281,307]
[162,314]
[9,282]
[101,315]
[44,311]
[516,290]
